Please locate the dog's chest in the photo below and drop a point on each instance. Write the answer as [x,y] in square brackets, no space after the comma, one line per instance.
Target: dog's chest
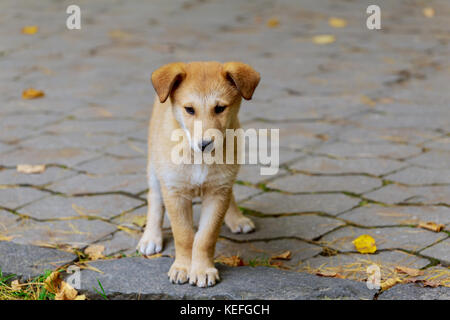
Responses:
[198,174]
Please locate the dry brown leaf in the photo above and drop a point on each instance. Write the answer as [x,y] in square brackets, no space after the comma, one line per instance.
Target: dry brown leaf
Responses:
[389,283]
[66,292]
[428,12]
[330,274]
[95,251]
[409,271]
[432,226]
[15,285]
[337,22]
[52,283]
[286,255]
[273,23]
[30,169]
[324,39]
[61,289]
[30,29]
[32,93]
[431,283]
[233,261]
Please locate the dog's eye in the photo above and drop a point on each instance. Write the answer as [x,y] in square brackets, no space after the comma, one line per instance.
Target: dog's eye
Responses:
[189,110]
[219,109]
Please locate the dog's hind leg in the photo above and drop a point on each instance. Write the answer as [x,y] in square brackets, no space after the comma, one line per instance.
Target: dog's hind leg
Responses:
[236,221]
[152,239]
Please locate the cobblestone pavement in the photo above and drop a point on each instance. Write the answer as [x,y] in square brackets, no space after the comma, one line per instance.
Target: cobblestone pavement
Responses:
[364,132]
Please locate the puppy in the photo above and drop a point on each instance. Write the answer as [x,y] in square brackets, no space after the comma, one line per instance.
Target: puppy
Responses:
[209,92]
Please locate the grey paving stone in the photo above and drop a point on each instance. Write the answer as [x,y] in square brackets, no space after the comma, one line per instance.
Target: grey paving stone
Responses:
[433,159]
[353,150]
[83,184]
[104,206]
[439,144]
[308,227]
[421,176]
[109,126]
[7,222]
[114,166]
[338,166]
[128,149]
[51,174]
[13,198]
[374,215]
[242,192]
[26,261]
[120,242]
[412,291]
[252,174]
[122,279]
[440,251]
[411,239]
[395,193]
[305,183]
[277,203]
[361,135]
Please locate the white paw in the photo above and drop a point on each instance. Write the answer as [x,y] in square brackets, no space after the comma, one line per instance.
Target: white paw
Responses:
[178,273]
[241,225]
[150,243]
[203,277]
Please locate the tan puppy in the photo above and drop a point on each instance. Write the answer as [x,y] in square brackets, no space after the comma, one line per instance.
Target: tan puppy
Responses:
[209,92]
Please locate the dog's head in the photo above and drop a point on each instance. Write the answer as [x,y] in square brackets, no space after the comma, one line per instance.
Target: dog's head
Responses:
[207,92]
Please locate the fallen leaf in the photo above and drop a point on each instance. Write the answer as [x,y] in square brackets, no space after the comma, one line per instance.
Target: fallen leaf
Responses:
[273,23]
[233,261]
[324,39]
[365,244]
[286,255]
[337,22]
[153,256]
[30,169]
[32,93]
[428,12]
[432,226]
[95,251]
[5,238]
[52,283]
[66,292]
[409,271]
[330,274]
[61,289]
[15,285]
[30,29]
[431,283]
[389,283]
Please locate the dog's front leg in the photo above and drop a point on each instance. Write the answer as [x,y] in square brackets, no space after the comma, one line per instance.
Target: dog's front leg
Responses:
[179,209]
[214,206]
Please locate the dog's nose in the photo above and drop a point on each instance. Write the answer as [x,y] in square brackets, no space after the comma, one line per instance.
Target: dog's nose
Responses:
[205,143]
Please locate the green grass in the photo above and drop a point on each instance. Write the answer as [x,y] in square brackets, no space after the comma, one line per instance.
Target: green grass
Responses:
[31,290]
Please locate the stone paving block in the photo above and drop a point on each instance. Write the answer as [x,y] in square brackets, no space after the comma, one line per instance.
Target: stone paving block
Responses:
[26,261]
[128,149]
[277,203]
[75,233]
[120,242]
[353,266]
[51,174]
[439,144]
[85,184]
[412,291]
[411,239]
[109,126]
[107,165]
[122,279]
[307,227]
[374,215]
[382,150]
[361,135]
[7,222]
[421,176]
[339,166]
[261,251]
[104,206]
[394,193]
[433,159]
[242,192]
[13,198]
[304,183]
[440,251]
[252,174]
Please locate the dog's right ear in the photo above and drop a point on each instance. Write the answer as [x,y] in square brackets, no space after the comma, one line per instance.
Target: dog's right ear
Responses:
[166,77]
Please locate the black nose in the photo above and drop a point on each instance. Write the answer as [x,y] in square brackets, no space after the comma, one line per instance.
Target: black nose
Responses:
[205,143]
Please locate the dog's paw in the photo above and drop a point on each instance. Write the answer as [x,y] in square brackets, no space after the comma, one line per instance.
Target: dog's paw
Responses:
[241,225]
[178,273]
[204,277]
[150,243]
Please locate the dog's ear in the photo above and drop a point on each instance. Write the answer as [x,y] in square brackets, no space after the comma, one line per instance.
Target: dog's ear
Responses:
[244,77]
[166,77]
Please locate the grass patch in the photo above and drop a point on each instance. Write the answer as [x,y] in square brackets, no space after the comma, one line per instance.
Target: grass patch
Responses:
[31,290]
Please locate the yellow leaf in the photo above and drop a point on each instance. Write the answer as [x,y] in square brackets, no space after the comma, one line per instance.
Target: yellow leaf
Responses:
[52,282]
[30,29]
[330,274]
[283,256]
[233,261]
[15,285]
[389,283]
[409,271]
[432,226]
[365,244]
[95,251]
[273,23]
[5,238]
[337,22]
[154,256]
[428,12]
[80,297]
[32,94]
[30,169]
[66,292]
[324,39]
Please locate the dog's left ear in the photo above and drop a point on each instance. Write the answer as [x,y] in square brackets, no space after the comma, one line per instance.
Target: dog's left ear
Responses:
[244,77]
[165,78]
